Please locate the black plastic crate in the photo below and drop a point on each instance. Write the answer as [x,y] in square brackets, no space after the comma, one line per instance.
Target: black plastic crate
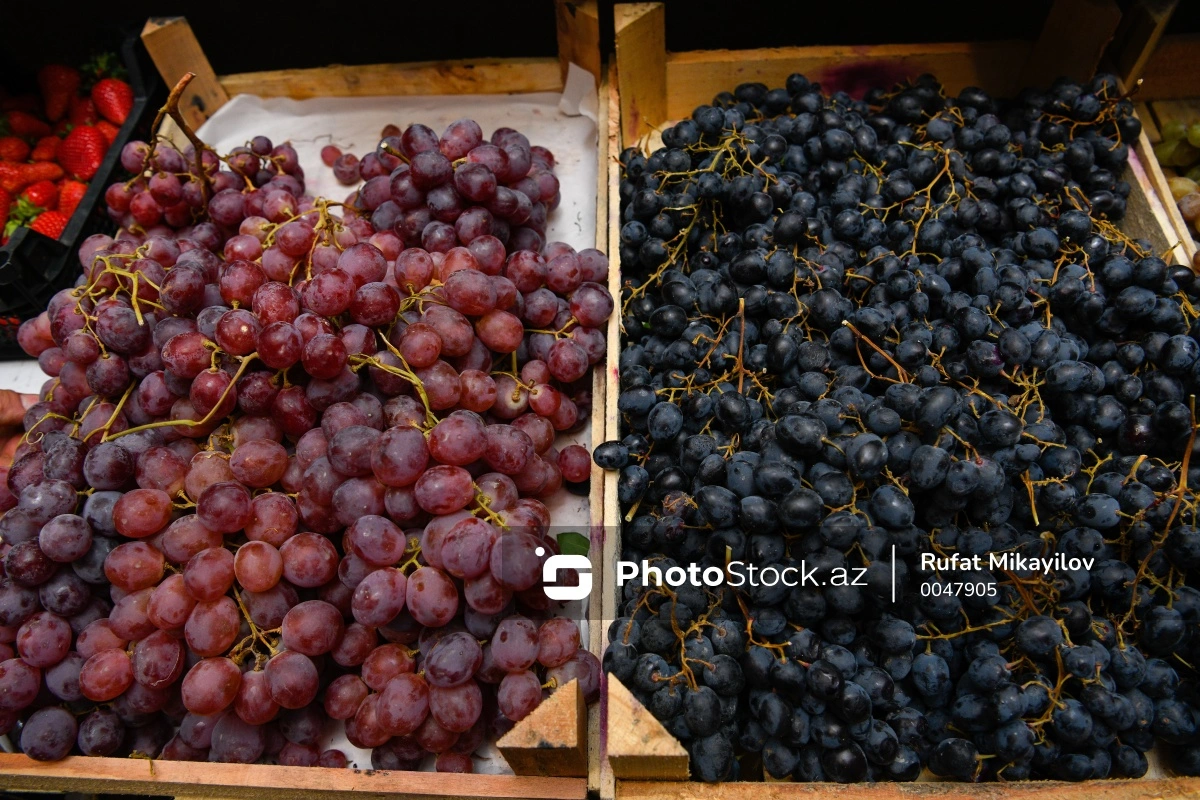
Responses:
[32,266]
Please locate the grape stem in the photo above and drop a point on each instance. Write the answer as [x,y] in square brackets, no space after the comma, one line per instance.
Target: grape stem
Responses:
[190,423]
[171,109]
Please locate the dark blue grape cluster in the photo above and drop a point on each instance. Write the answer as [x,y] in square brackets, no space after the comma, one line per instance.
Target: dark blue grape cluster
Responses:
[898,349]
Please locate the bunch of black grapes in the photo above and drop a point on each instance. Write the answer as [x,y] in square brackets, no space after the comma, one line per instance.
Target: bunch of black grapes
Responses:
[907,324]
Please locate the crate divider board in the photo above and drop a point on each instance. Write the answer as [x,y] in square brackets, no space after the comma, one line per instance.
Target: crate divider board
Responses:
[558,753]
[655,88]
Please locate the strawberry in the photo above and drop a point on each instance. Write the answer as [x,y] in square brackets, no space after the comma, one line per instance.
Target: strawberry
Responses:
[13,148]
[5,204]
[15,177]
[114,99]
[82,151]
[58,83]
[70,193]
[109,130]
[43,194]
[24,124]
[46,148]
[51,223]
[83,111]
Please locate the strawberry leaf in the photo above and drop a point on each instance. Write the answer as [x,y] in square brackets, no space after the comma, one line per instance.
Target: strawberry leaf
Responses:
[24,211]
[100,66]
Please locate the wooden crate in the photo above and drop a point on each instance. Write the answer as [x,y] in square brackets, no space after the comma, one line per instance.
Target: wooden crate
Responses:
[1158,114]
[1161,70]
[1169,92]
[556,748]
[655,88]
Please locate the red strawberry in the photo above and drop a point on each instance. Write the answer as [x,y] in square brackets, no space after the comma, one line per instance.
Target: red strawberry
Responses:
[81,153]
[22,123]
[46,148]
[114,99]
[58,83]
[13,148]
[43,194]
[5,204]
[51,223]
[109,130]
[15,177]
[83,111]
[70,193]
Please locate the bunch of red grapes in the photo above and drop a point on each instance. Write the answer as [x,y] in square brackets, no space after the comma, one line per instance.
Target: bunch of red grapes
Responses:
[290,463]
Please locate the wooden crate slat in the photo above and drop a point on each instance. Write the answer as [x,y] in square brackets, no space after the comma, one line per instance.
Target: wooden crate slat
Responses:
[1164,789]
[482,76]
[1150,212]
[266,782]
[641,44]
[608,115]
[1145,112]
[578,36]
[606,787]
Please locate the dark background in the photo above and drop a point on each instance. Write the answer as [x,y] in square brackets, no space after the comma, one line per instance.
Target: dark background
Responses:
[247,37]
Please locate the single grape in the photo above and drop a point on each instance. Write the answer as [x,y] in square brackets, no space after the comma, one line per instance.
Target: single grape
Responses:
[100,733]
[456,708]
[106,675]
[453,660]
[292,679]
[432,598]
[519,694]
[312,628]
[43,640]
[49,734]
[403,704]
[344,695]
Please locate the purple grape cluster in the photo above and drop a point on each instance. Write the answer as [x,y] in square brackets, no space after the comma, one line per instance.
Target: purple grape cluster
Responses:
[290,463]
